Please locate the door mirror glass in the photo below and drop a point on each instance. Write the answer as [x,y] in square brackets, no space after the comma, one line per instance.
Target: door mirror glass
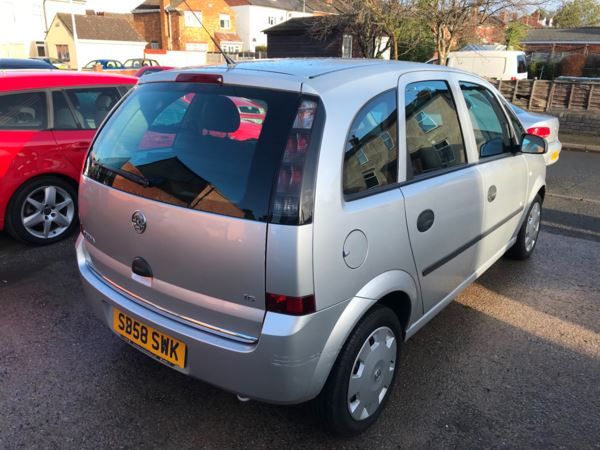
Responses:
[534,144]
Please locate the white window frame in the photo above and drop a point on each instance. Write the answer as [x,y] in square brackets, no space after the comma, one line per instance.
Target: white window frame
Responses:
[190,19]
[225,18]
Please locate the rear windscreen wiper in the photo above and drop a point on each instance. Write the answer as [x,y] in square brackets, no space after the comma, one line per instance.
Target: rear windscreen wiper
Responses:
[139,179]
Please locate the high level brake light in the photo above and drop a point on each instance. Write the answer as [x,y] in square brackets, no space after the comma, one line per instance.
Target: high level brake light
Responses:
[208,78]
[287,202]
[543,132]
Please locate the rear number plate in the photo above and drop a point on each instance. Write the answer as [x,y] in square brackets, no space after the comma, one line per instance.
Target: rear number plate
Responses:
[154,341]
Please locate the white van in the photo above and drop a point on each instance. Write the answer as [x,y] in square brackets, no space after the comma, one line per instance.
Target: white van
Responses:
[499,64]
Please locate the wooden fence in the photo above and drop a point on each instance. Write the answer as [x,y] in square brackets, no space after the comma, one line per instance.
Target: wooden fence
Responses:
[542,95]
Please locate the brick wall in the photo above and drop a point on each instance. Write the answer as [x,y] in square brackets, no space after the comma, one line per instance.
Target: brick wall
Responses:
[148,26]
[578,122]
[211,9]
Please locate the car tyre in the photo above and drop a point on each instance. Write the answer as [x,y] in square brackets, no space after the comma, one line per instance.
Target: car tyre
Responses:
[363,375]
[529,232]
[43,211]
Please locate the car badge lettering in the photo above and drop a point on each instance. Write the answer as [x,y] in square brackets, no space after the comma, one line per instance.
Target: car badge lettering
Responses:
[138,220]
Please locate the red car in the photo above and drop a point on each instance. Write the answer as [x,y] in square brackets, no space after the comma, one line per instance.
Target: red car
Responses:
[47,122]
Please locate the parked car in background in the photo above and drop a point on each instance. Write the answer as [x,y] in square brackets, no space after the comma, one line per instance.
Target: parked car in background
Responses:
[57,63]
[47,121]
[136,63]
[147,70]
[107,64]
[543,125]
[499,64]
[292,264]
[24,63]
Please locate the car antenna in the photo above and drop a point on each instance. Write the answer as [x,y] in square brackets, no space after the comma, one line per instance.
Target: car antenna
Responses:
[230,62]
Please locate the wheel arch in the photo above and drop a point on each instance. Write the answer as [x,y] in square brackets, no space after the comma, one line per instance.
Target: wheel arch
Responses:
[394,289]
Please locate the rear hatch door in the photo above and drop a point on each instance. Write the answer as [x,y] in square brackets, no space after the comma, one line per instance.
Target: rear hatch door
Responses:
[178,182]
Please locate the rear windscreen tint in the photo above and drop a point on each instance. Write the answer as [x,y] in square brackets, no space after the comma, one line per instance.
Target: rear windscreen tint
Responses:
[206,147]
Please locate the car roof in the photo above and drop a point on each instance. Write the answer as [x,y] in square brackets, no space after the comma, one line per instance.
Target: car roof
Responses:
[305,68]
[293,73]
[24,63]
[15,80]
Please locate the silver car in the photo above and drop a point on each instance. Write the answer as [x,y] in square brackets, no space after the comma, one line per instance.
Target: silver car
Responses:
[280,228]
[543,125]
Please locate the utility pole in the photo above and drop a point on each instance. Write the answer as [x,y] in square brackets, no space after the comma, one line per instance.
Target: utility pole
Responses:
[74,25]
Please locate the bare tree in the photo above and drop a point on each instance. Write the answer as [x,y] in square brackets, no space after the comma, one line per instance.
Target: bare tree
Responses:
[376,25]
[450,20]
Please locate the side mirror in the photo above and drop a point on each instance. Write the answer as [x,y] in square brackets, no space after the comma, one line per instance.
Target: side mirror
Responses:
[533,144]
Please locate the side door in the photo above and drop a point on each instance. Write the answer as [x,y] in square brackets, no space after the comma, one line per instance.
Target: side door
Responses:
[442,189]
[77,113]
[503,170]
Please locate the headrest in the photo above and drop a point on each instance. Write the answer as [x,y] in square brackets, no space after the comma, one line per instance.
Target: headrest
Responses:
[103,101]
[220,114]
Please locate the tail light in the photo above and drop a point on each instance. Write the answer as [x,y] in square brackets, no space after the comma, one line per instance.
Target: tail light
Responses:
[294,306]
[543,132]
[287,201]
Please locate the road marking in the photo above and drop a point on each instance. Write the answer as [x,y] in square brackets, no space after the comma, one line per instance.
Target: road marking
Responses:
[568,228]
[579,199]
[525,318]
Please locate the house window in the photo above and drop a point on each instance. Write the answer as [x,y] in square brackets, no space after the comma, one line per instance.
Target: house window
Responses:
[362,157]
[370,180]
[192,19]
[225,21]
[347,46]
[154,44]
[62,52]
[40,48]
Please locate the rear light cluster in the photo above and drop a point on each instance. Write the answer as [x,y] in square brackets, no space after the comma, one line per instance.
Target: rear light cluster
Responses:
[543,132]
[293,306]
[288,193]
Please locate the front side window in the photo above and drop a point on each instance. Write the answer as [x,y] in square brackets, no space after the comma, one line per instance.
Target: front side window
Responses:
[192,19]
[433,135]
[491,129]
[23,111]
[371,154]
[91,105]
[193,145]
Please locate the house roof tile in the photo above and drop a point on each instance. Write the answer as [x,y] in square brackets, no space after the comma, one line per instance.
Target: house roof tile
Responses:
[103,28]
[558,35]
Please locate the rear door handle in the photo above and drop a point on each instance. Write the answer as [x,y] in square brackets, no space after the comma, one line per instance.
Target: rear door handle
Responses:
[425,220]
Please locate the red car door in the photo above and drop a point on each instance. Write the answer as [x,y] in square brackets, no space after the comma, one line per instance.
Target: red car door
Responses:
[71,133]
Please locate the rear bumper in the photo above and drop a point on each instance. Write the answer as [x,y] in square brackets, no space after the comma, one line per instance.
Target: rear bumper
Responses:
[279,368]
[553,154]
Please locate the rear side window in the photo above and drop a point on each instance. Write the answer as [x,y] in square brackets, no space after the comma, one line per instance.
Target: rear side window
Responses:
[91,105]
[433,136]
[490,127]
[521,64]
[23,111]
[194,146]
[371,154]
[64,116]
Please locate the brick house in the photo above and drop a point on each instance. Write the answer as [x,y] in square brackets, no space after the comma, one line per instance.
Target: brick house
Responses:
[171,25]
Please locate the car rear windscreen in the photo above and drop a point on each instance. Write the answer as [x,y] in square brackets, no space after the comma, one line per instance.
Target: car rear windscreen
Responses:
[201,146]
